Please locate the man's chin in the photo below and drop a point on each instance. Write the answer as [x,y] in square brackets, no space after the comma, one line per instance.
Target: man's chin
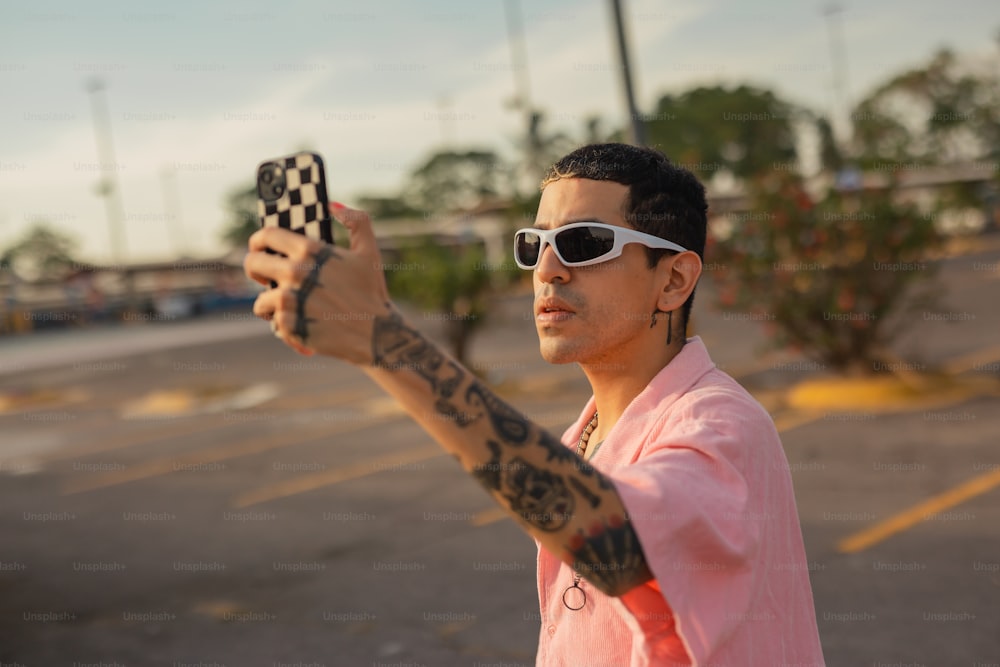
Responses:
[555,353]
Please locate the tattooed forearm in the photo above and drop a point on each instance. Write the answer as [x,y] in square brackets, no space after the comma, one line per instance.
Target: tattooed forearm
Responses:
[488,474]
[592,498]
[610,556]
[555,451]
[539,496]
[396,346]
[453,413]
[567,504]
[509,424]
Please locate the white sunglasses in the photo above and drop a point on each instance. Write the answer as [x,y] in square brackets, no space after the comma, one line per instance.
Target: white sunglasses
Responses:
[581,243]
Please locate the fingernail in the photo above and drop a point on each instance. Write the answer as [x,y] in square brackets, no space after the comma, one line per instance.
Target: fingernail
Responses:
[338,205]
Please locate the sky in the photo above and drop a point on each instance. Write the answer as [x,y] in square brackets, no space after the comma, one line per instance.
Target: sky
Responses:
[198,93]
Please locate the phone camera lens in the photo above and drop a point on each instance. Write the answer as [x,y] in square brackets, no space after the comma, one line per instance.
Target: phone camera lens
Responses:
[279,190]
[266,177]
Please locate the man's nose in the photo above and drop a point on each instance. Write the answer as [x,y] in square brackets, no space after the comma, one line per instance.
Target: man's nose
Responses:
[549,268]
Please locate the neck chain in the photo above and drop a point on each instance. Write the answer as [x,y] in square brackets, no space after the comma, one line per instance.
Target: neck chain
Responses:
[576,600]
[581,446]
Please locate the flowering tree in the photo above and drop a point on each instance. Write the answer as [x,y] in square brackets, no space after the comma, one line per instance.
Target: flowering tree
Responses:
[835,278]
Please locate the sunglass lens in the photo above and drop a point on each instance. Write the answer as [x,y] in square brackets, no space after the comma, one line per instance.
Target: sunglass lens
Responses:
[584,243]
[527,247]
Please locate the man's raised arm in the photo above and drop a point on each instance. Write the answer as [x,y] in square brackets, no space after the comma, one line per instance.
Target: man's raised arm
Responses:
[561,500]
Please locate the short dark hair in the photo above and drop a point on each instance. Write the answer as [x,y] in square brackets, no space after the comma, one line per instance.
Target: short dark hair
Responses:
[663,199]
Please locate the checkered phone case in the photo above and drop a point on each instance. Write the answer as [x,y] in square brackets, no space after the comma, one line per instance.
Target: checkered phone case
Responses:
[302,204]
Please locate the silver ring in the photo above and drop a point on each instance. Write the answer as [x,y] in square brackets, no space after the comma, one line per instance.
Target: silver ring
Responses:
[274,329]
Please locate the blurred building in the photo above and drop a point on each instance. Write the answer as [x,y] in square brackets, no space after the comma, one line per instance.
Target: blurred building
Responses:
[149,291]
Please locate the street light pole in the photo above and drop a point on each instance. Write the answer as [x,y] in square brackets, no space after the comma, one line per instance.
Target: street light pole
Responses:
[172,209]
[637,128]
[108,186]
[518,56]
[838,59]
[533,167]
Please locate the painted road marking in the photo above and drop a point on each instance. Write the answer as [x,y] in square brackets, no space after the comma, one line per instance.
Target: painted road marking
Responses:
[209,455]
[184,428]
[133,439]
[972,361]
[486,517]
[788,421]
[304,483]
[783,423]
[371,466]
[920,512]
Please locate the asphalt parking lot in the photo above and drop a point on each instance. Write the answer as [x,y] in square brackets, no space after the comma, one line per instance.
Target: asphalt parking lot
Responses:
[195,494]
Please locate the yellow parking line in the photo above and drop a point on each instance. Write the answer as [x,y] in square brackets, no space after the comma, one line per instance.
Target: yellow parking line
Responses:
[787,422]
[183,425]
[967,362]
[486,517]
[162,432]
[208,455]
[304,483]
[920,512]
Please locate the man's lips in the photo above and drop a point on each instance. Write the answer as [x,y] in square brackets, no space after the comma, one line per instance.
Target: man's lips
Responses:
[553,310]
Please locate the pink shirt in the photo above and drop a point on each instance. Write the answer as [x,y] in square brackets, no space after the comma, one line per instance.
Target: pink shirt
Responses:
[701,471]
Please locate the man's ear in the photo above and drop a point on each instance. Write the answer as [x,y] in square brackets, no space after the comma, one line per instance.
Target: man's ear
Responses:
[679,275]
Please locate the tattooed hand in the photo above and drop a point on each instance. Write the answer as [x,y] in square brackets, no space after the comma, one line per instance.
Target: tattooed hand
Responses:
[327,298]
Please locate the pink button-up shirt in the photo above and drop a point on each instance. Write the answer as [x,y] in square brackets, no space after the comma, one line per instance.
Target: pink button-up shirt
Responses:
[700,469]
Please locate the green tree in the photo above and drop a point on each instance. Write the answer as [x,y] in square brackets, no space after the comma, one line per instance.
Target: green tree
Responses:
[830,155]
[542,146]
[944,112]
[385,207]
[452,180]
[744,130]
[41,253]
[834,278]
[452,283]
[449,277]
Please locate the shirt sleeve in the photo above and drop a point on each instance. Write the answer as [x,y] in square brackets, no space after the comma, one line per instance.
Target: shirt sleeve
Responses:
[688,498]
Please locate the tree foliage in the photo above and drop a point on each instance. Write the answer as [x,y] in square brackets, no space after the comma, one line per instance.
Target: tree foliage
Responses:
[386,207]
[743,130]
[540,147]
[41,253]
[450,283]
[946,111]
[831,276]
[451,180]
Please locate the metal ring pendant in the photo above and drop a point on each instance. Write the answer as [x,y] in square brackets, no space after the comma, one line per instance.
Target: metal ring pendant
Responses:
[582,597]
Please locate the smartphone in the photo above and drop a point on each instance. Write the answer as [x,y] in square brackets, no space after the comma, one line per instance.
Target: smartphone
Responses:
[291,193]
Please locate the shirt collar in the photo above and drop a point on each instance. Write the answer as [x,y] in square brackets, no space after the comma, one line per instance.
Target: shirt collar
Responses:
[672,382]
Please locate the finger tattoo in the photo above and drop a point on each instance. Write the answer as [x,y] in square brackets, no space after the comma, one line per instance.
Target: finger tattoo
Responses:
[311,282]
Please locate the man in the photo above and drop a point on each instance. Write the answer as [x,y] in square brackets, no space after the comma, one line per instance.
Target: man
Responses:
[680,543]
